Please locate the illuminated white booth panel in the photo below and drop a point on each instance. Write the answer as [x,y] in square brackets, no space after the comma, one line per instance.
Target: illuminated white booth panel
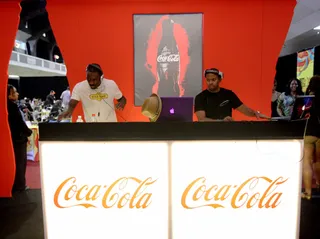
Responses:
[105,189]
[236,189]
[171,180]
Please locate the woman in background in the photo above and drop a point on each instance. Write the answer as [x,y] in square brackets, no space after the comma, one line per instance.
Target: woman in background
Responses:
[286,99]
[274,99]
[311,159]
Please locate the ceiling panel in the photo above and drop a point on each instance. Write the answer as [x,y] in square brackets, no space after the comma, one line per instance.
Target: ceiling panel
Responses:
[301,34]
[301,11]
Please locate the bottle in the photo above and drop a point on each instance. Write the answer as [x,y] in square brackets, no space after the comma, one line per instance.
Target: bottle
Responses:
[93,118]
[79,120]
[168,62]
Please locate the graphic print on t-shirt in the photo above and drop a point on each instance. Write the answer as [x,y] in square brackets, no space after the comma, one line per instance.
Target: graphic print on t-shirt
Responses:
[224,103]
[98,96]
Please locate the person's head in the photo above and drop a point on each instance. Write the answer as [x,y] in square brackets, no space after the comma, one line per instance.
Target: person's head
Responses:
[94,75]
[275,85]
[213,77]
[294,86]
[314,86]
[68,88]
[52,92]
[12,93]
[58,103]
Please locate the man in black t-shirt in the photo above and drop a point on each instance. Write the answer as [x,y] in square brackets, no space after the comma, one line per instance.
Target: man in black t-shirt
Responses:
[216,104]
[50,98]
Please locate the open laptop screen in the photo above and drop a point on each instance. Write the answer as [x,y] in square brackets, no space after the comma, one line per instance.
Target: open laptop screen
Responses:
[178,109]
[302,107]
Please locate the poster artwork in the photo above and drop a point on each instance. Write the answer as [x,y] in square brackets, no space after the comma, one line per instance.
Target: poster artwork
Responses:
[305,67]
[167,55]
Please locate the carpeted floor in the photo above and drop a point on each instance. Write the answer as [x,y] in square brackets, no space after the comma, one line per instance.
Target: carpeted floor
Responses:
[21,216]
[33,175]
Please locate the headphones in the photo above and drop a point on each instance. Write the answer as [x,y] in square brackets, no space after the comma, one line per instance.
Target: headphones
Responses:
[213,71]
[97,67]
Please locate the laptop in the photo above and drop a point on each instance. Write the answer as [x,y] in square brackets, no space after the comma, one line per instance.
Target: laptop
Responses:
[176,109]
[301,109]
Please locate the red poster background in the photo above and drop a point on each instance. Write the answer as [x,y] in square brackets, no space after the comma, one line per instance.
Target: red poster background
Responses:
[242,38]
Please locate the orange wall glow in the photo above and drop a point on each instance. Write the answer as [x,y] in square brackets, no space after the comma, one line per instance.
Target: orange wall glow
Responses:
[242,38]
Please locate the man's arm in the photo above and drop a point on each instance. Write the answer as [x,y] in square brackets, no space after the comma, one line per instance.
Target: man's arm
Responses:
[75,98]
[251,113]
[122,101]
[201,115]
[62,95]
[246,111]
[72,105]
[239,106]
[200,109]
[67,114]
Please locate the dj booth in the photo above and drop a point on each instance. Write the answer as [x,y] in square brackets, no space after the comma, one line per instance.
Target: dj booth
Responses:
[172,180]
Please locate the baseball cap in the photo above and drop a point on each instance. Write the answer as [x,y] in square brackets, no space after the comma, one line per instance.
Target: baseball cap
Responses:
[213,71]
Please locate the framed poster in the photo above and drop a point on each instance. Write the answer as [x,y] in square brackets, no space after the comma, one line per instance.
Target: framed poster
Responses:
[167,55]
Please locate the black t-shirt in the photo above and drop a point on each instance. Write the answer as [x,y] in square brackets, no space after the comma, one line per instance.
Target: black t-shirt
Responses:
[217,105]
[50,100]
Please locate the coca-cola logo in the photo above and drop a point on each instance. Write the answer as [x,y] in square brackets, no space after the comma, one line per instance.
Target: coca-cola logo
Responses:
[169,58]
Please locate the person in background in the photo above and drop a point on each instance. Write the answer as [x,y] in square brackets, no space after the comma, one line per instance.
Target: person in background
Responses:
[27,109]
[216,103]
[65,97]
[274,99]
[286,99]
[19,136]
[50,98]
[311,159]
[56,109]
[97,96]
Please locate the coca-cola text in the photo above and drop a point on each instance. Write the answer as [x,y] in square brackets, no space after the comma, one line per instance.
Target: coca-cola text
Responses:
[168,58]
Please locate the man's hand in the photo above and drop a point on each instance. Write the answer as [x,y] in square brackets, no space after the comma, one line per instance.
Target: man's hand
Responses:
[67,114]
[261,116]
[228,119]
[64,115]
[121,103]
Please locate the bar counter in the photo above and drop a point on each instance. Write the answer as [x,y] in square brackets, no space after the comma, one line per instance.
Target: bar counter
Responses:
[171,180]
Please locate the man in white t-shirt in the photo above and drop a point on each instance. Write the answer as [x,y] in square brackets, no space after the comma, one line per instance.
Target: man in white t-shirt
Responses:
[97,96]
[65,97]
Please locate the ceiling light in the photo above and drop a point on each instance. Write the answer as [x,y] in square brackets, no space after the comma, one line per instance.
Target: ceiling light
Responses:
[14,77]
[317,28]
[44,35]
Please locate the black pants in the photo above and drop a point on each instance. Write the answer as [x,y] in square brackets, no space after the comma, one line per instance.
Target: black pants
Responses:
[20,154]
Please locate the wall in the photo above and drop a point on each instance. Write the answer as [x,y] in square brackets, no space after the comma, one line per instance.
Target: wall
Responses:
[9,19]
[241,38]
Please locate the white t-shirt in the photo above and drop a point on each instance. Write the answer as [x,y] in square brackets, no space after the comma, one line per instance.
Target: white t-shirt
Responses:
[98,101]
[65,97]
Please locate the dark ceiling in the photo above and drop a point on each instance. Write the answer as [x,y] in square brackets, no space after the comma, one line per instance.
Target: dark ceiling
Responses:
[34,20]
